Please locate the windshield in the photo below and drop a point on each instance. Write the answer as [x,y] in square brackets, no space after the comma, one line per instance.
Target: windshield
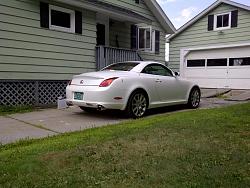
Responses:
[121,66]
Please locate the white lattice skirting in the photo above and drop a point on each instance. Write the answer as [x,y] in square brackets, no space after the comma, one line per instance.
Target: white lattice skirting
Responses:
[31,92]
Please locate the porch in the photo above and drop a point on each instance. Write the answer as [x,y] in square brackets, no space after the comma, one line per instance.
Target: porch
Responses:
[109,55]
[114,41]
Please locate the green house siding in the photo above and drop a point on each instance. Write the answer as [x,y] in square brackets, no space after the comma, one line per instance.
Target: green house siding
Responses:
[198,36]
[28,51]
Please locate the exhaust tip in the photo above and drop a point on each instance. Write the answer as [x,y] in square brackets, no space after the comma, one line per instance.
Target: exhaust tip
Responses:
[100,108]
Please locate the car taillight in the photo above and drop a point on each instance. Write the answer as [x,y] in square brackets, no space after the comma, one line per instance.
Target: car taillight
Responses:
[69,83]
[107,82]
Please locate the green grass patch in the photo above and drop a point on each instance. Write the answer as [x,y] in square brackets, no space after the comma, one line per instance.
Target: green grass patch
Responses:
[5,110]
[200,148]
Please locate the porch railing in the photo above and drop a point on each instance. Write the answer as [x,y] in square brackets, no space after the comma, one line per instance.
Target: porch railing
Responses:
[109,55]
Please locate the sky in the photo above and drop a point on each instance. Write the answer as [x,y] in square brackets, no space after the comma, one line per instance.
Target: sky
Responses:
[181,11]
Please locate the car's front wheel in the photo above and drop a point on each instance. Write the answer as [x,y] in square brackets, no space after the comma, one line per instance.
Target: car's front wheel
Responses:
[194,98]
[137,104]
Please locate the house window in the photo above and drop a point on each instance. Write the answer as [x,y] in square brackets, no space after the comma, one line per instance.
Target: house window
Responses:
[196,63]
[244,61]
[222,21]
[61,19]
[137,1]
[145,39]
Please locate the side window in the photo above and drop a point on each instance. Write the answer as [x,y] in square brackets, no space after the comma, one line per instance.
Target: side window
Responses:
[157,70]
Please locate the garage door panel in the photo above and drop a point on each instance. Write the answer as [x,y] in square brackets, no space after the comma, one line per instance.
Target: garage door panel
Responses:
[195,73]
[210,83]
[216,73]
[239,73]
[239,83]
[205,73]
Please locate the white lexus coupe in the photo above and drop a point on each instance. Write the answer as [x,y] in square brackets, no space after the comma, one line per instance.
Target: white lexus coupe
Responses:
[133,87]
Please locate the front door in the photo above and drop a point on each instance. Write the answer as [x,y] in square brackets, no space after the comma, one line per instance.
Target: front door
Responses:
[100,35]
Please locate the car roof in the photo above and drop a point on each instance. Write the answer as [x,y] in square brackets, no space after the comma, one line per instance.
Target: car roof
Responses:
[142,64]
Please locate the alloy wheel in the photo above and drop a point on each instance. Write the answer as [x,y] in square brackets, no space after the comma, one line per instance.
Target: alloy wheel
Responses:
[139,105]
[195,98]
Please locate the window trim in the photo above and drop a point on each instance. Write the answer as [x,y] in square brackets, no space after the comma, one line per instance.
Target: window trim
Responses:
[72,19]
[152,39]
[229,21]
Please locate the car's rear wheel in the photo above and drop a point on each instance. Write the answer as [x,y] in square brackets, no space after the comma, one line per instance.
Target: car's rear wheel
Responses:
[89,110]
[194,98]
[137,104]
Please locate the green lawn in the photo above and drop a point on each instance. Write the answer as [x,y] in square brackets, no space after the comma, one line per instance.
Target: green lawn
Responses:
[200,148]
[5,110]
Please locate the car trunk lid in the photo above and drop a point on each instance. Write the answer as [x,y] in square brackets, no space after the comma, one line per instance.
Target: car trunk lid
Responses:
[96,78]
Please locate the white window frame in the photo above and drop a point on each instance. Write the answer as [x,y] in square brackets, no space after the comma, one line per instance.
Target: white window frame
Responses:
[152,39]
[229,21]
[72,19]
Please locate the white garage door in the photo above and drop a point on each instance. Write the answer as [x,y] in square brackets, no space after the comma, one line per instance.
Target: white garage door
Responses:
[219,68]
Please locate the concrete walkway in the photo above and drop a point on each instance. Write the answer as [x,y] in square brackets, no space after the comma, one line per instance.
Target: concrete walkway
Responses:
[49,122]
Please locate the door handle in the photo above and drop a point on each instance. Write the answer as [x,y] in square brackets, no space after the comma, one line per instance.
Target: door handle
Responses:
[158,81]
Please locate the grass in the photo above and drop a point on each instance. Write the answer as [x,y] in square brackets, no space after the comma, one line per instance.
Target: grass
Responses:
[6,110]
[201,148]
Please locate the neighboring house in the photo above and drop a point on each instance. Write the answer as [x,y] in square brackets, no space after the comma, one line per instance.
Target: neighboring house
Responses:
[213,49]
[44,43]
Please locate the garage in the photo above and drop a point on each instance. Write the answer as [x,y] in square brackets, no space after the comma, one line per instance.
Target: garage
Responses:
[218,67]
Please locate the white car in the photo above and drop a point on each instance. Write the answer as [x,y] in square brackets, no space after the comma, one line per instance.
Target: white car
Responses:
[133,87]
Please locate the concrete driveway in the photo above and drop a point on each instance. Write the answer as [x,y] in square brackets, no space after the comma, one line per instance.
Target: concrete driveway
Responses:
[49,122]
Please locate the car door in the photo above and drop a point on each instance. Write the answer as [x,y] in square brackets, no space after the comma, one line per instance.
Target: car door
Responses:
[148,81]
[168,87]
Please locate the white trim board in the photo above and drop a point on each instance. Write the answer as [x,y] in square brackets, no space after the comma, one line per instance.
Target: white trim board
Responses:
[161,16]
[216,20]
[59,28]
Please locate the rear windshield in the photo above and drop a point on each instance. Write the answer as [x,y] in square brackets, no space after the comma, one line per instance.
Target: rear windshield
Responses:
[121,66]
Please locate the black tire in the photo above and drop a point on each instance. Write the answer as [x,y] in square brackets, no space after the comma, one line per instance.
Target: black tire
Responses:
[137,105]
[87,109]
[194,98]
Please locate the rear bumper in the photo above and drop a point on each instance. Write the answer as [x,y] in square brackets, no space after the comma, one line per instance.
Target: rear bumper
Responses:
[97,105]
[96,97]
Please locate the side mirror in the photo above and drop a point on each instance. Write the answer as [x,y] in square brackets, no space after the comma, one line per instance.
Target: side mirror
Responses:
[176,73]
